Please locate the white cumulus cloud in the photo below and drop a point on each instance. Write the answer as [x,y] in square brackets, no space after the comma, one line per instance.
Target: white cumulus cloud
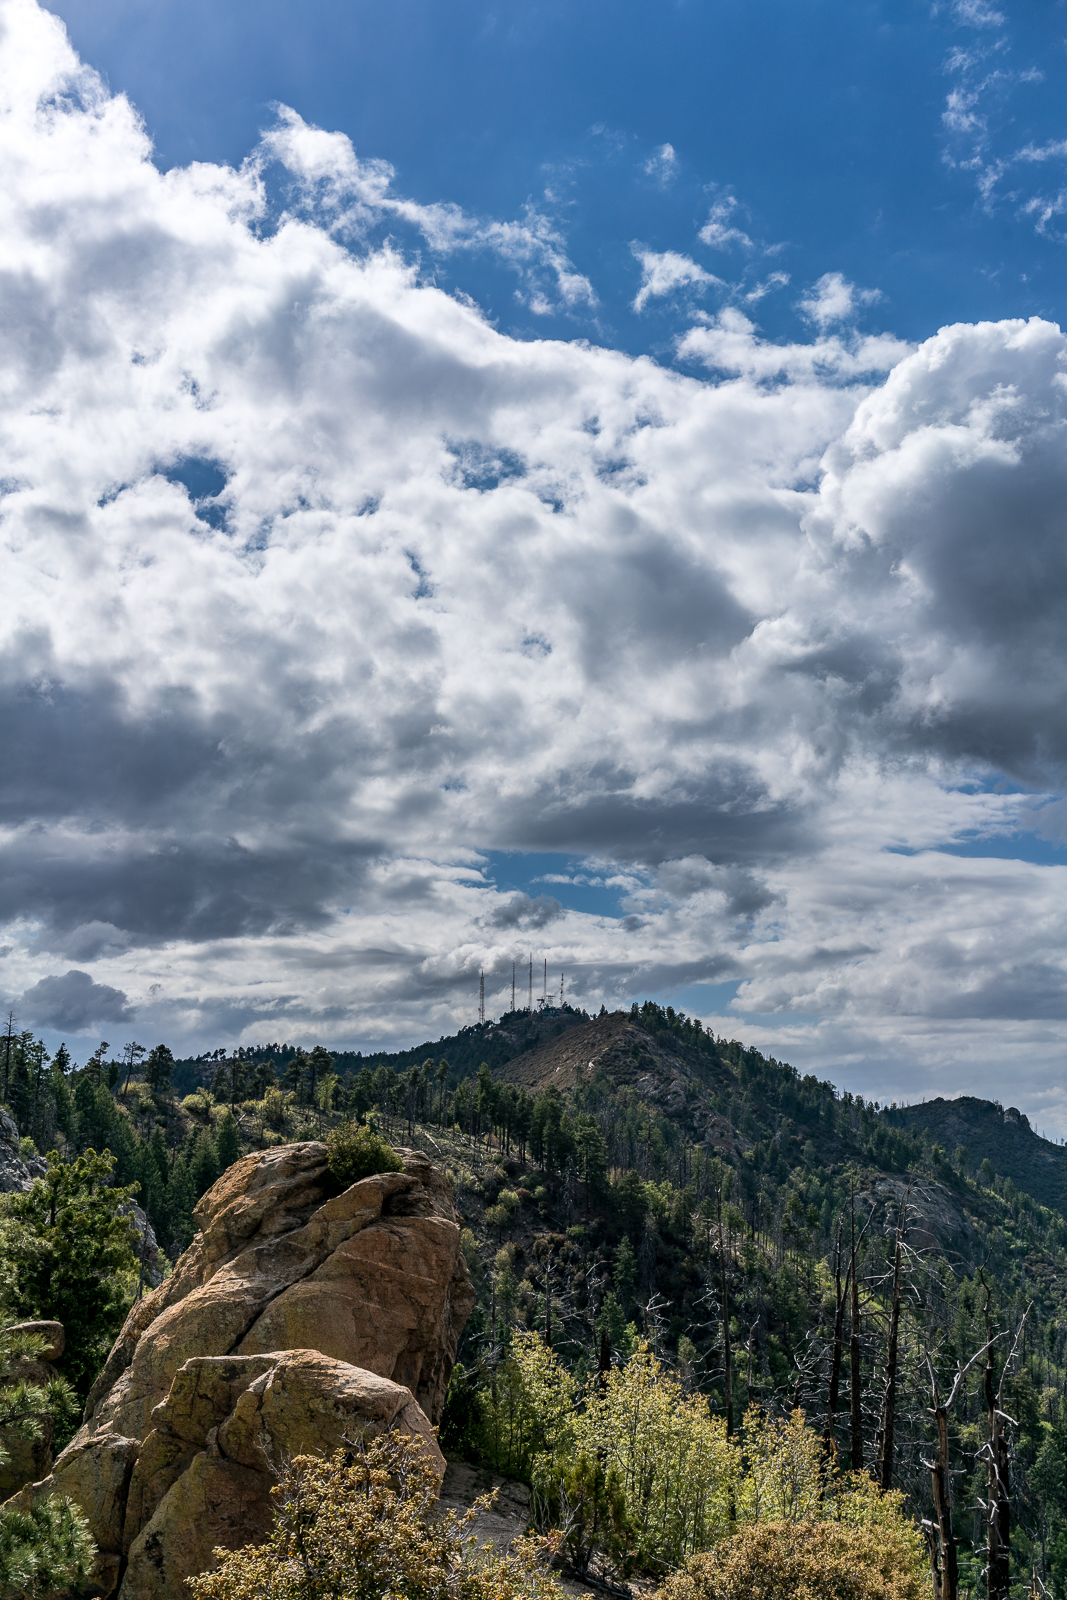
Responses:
[834,299]
[318,588]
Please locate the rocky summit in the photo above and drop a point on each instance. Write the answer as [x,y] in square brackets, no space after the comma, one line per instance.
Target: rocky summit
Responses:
[298,1316]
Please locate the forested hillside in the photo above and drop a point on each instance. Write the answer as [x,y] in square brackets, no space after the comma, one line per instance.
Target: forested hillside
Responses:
[632,1178]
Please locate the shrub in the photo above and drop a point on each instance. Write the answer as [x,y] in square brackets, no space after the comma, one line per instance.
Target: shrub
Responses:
[355,1151]
[365,1523]
[276,1108]
[44,1546]
[806,1561]
[632,1465]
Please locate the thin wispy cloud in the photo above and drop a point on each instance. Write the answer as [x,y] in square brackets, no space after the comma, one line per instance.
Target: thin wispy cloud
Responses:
[721,232]
[665,272]
[662,164]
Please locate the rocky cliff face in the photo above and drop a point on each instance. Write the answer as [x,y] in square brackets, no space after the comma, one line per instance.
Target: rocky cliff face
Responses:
[16,1175]
[296,1316]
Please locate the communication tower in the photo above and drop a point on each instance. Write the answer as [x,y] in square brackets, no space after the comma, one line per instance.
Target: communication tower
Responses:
[481,997]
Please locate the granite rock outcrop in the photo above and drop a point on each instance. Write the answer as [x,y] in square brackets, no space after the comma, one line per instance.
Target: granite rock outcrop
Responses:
[296,1316]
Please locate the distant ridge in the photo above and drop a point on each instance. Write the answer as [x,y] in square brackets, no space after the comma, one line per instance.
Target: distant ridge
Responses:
[988,1132]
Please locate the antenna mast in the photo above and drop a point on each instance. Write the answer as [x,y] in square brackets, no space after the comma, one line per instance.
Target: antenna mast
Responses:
[544,987]
[530,1001]
[513,986]
[481,997]
[561,991]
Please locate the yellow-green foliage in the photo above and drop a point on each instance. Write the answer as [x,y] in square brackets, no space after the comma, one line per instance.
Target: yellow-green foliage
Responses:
[806,1561]
[368,1527]
[355,1152]
[671,1481]
[199,1105]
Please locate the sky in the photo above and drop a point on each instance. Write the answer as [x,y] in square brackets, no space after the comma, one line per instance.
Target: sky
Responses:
[584,484]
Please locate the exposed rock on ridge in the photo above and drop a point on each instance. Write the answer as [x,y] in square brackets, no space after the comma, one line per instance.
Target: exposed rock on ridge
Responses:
[296,1315]
[16,1175]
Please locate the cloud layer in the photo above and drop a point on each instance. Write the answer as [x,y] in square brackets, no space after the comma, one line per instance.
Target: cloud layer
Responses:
[318,587]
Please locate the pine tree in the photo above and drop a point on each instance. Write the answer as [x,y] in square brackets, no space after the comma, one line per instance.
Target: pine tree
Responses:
[66,1244]
[46,1547]
[204,1165]
[181,1198]
[158,1068]
[228,1141]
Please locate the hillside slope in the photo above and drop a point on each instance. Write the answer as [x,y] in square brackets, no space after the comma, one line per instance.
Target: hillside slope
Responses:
[1003,1137]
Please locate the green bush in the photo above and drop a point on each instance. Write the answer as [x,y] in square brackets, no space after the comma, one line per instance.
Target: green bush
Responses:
[43,1548]
[366,1524]
[355,1152]
[816,1561]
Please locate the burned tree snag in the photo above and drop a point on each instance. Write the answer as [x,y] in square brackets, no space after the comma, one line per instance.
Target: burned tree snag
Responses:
[941,1543]
[885,1438]
[829,1437]
[996,1451]
[725,1318]
[944,1562]
[855,1392]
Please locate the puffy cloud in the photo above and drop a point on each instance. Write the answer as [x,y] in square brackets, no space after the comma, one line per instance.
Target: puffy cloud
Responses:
[319,587]
[526,911]
[834,299]
[729,342]
[665,272]
[73,1002]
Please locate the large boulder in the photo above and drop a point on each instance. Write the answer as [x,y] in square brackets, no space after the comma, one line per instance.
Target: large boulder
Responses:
[297,1316]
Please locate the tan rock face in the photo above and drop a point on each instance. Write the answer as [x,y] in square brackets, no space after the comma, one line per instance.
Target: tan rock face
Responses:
[295,1317]
[184,1502]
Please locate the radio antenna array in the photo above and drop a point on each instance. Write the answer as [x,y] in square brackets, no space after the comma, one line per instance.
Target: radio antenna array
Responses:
[481,997]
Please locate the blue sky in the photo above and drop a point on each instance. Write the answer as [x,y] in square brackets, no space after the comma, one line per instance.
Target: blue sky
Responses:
[581,480]
[825,121]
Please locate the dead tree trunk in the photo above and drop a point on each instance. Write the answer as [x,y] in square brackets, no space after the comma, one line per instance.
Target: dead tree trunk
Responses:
[946,1571]
[855,1394]
[998,1489]
[944,1564]
[885,1439]
[998,1544]
[729,1381]
[829,1437]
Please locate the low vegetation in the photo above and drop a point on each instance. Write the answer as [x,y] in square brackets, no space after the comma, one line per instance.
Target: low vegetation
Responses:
[364,1525]
[45,1546]
[669,1281]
